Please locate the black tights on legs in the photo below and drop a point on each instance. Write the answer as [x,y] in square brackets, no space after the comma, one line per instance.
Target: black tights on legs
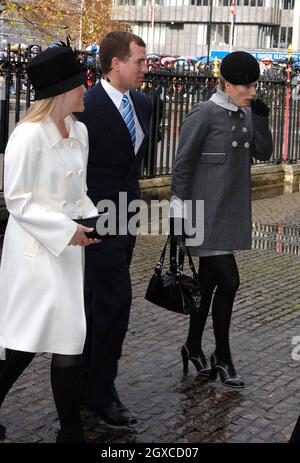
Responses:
[198,320]
[14,365]
[65,386]
[65,371]
[218,272]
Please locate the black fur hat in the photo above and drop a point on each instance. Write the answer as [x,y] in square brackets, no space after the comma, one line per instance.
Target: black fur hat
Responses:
[240,68]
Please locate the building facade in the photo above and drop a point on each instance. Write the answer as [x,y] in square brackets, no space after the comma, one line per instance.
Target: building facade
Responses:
[181,26]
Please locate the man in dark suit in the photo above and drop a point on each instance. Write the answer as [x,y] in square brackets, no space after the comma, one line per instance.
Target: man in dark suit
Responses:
[117,118]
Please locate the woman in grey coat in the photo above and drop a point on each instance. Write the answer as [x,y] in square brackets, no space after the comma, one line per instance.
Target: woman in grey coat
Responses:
[213,164]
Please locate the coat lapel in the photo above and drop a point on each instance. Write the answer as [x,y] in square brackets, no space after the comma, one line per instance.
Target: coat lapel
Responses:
[113,119]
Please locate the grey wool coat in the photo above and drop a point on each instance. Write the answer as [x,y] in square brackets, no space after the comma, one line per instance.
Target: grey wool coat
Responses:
[213,163]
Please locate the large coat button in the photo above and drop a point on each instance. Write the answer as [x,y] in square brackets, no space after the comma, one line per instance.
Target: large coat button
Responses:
[247,145]
[80,172]
[78,203]
[230,114]
[69,173]
[233,128]
[235,144]
[64,203]
[245,130]
[72,144]
[241,115]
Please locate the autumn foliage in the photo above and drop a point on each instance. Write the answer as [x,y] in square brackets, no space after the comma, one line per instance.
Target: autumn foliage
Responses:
[55,19]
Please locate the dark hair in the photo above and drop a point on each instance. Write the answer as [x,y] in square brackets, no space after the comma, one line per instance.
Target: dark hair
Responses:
[117,44]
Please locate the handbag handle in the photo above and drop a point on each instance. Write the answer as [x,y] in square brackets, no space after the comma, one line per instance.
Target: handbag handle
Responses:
[191,263]
[173,254]
[173,258]
[160,263]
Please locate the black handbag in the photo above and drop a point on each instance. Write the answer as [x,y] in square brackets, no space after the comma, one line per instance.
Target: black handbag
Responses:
[92,223]
[174,290]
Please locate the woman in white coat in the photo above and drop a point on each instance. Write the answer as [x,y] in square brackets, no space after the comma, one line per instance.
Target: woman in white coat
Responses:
[41,275]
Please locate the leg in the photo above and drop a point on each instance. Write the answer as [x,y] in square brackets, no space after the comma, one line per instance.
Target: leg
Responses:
[108,274]
[198,321]
[227,277]
[11,369]
[192,350]
[65,381]
[226,274]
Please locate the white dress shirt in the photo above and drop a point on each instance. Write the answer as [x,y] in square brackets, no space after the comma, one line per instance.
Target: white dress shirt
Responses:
[116,97]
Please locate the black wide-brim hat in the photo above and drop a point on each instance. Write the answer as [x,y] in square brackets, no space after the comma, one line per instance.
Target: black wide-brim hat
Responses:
[240,68]
[55,71]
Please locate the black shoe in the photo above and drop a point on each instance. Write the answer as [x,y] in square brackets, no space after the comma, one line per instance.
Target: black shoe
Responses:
[70,438]
[226,372]
[2,432]
[295,437]
[198,360]
[116,414]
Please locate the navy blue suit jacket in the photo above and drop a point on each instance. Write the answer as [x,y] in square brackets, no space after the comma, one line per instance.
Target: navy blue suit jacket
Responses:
[112,163]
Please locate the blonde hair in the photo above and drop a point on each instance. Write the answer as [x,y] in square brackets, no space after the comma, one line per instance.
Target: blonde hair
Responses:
[39,110]
[222,83]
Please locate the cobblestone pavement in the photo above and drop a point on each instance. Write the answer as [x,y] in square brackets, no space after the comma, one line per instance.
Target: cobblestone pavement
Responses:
[177,409]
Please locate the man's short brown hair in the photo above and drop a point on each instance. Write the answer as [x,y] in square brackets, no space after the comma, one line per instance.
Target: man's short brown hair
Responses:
[117,44]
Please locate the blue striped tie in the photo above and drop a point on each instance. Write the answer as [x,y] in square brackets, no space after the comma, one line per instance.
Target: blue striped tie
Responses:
[128,118]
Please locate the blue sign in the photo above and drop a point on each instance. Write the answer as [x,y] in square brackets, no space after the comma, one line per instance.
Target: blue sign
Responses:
[260,55]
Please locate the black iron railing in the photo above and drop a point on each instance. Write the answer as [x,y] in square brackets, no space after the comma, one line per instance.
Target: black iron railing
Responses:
[173,92]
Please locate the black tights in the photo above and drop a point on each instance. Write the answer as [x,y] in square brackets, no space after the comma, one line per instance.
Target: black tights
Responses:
[218,272]
[64,381]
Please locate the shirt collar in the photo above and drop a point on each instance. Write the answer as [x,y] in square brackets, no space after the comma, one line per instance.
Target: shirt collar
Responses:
[221,99]
[114,94]
[53,134]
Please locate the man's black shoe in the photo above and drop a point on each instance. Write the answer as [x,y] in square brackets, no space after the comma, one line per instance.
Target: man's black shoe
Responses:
[2,432]
[115,414]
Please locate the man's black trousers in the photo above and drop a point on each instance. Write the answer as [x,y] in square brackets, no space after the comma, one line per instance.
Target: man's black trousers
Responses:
[107,301]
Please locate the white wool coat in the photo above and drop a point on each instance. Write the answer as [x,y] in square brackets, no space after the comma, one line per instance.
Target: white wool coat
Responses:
[41,276]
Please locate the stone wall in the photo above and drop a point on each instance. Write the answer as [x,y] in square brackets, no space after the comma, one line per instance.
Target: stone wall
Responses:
[267,181]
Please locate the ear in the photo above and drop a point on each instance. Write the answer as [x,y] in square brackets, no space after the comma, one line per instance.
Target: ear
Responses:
[115,64]
[228,86]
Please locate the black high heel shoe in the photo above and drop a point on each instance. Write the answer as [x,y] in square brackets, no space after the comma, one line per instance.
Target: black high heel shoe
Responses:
[198,359]
[2,432]
[226,372]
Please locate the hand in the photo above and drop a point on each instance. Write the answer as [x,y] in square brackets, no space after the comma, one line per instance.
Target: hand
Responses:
[260,108]
[80,239]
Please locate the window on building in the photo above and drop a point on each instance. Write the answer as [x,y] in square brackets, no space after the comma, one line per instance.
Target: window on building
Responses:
[284,37]
[253,2]
[175,26]
[200,2]
[288,4]
[220,34]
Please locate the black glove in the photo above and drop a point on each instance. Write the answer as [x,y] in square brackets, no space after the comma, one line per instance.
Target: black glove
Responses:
[260,108]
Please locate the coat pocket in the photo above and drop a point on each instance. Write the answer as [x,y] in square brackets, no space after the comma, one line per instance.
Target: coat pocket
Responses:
[31,246]
[212,158]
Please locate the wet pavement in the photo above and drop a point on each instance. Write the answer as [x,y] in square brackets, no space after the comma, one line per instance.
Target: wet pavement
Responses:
[175,409]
